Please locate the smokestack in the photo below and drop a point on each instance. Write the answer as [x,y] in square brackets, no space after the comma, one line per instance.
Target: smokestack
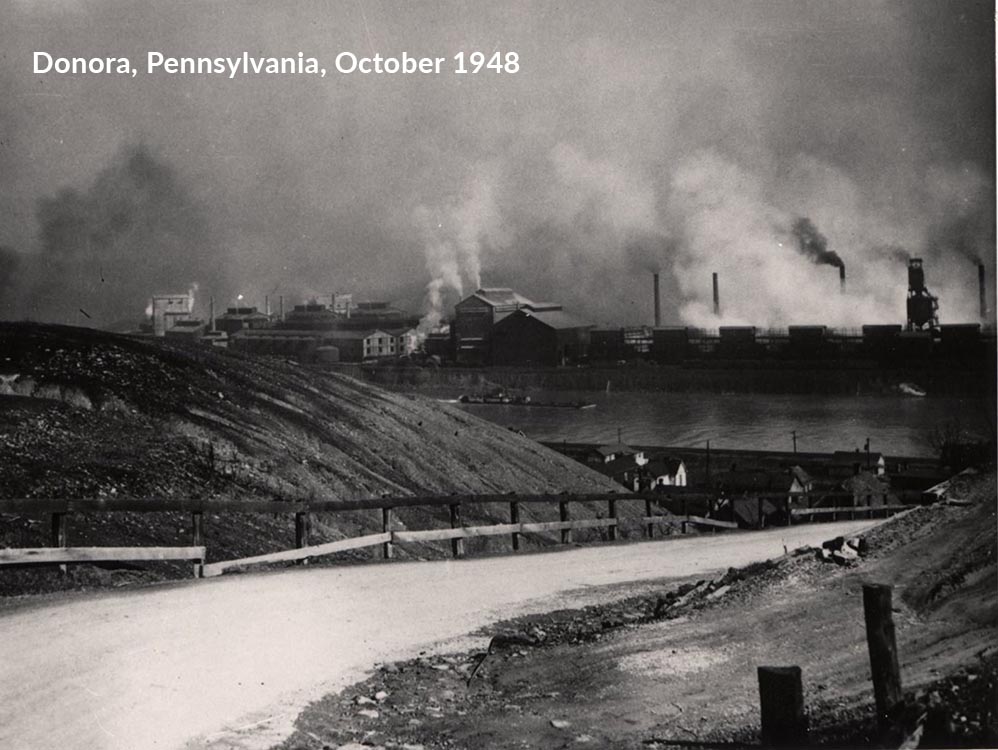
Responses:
[211,312]
[842,279]
[717,298]
[281,303]
[658,303]
[266,304]
[983,292]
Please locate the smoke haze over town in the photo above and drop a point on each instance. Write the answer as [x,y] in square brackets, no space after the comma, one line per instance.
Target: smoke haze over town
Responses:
[682,137]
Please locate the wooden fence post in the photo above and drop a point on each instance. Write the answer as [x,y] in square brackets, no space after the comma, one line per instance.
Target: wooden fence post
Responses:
[781,702]
[790,519]
[613,517]
[197,537]
[649,527]
[514,517]
[456,545]
[302,526]
[387,549]
[760,522]
[60,534]
[883,651]
[566,534]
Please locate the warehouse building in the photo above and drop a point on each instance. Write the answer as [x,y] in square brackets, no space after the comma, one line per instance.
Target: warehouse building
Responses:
[549,337]
[477,315]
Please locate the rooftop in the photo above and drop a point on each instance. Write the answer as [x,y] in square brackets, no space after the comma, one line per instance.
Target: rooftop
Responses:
[556,319]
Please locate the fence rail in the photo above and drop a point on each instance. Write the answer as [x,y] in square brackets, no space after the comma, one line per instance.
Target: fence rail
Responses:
[680,508]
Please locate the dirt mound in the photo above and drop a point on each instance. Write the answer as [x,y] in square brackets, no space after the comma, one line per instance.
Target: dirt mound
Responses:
[87,414]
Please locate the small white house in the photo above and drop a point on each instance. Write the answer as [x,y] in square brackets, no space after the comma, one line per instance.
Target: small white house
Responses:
[667,472]
[604,454]
[800,481]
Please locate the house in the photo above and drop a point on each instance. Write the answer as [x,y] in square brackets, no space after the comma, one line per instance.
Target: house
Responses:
[800,481]
[666,472]
[604,454]
[625,470]
[846,463]
[406,340]
[546,337]
[379,344]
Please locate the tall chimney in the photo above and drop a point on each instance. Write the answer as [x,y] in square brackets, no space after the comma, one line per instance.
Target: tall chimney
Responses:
[982,289]
[842,279]
[281,303]
[211,312]
[266,304]
[658,303]
[717,298]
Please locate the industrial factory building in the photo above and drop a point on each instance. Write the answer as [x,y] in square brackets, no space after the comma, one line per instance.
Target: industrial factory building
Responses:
[168,310]
[546,337]
[476,316]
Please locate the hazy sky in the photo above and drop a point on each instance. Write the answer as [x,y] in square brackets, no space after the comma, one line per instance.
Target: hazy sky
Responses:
[685,136]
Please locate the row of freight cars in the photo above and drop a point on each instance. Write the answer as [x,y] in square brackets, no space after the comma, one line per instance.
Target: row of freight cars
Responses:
[963,342]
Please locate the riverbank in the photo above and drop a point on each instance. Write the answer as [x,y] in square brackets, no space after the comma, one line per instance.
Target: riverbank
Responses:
[838,377]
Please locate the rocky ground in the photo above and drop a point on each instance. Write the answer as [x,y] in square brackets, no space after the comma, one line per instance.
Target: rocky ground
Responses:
[679,668]
[87,414]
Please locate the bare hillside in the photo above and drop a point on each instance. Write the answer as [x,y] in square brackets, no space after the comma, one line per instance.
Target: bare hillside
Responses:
[91,414]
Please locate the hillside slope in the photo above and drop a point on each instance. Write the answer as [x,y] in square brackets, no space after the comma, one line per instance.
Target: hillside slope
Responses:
[90,414]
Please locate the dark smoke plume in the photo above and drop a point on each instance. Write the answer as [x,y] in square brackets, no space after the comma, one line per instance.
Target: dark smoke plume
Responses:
[813,244]
[135,232]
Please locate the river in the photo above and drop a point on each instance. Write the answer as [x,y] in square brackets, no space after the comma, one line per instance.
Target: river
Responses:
[895,425]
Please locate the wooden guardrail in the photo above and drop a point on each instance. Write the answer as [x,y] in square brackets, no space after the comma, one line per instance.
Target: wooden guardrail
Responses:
[677,504]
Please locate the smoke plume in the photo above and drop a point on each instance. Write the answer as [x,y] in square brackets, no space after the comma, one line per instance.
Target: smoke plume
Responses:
[681,136]
[813,244]
[133,233]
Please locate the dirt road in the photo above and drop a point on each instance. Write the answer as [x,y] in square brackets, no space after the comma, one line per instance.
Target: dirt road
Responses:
[229,662]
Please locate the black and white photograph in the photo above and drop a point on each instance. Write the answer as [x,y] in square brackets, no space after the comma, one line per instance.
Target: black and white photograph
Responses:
[445,375]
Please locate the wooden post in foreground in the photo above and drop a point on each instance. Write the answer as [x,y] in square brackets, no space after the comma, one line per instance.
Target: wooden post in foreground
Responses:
[566,534]
[781,701]
[456,545]
[302,524]
[613,516]
[883,651]
[514,517]
[60,534]
[197,537]
[649,527]
[386,528]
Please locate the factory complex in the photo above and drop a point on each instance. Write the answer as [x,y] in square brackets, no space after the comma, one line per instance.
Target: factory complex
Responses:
[497,326]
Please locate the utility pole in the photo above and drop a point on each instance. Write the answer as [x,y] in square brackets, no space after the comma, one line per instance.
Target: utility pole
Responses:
[794,434]
[708,464]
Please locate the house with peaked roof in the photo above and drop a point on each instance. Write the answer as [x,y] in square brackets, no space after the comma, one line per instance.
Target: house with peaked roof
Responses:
[604,454]
[666,472]
[800,481]
[624,470]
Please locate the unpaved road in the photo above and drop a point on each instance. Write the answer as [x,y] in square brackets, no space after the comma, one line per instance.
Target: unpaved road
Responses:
[229,662]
